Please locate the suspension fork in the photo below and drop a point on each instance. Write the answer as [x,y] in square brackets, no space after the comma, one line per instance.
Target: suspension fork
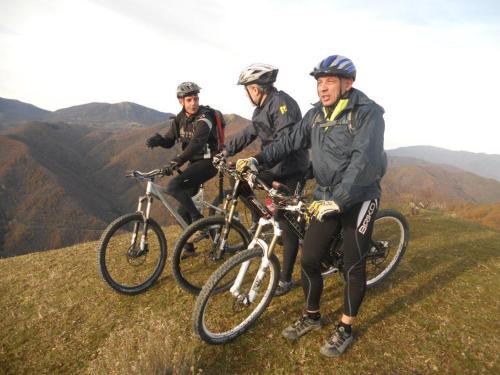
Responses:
[148,198]
[264,264]
[228,220]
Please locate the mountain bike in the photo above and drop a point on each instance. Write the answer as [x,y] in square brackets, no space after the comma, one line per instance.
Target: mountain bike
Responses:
[133,249]
[214,238]
[240,290]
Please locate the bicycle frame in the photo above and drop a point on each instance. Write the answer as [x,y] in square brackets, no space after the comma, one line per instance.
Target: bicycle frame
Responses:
[156,191]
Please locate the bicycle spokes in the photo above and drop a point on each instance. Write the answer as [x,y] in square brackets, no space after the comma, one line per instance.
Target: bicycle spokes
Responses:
[136,256]
[132,255]
[241,302]
[388,244]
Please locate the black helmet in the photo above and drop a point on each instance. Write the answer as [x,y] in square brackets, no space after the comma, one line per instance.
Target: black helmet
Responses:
[262,74]
[335,65]
[187,89]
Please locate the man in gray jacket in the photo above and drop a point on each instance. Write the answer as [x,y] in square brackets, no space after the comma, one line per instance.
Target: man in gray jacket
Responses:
[345,132]
[276,115]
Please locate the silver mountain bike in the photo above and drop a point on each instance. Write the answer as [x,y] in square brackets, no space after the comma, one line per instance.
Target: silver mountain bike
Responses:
[133,249]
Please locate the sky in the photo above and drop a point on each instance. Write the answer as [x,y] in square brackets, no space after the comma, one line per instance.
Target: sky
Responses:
[432,65]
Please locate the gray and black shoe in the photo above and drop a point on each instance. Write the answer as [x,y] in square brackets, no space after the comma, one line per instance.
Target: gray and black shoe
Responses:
[284,287]
[300,328]
[337,343]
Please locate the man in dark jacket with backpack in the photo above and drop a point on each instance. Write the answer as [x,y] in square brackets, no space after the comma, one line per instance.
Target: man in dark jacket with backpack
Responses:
[276,114]
[195,129]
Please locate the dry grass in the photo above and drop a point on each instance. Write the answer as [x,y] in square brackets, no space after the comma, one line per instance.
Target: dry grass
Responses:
[438,313]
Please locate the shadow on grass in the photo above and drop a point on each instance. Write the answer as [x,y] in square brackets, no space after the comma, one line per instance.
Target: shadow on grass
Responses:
[446,275]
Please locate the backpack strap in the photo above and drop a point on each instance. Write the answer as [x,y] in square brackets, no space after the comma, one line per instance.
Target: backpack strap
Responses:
[208,122]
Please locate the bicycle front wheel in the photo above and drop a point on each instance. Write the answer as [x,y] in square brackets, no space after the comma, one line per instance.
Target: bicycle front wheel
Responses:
[389,241]
[125,264]
[206,238]
[220,315]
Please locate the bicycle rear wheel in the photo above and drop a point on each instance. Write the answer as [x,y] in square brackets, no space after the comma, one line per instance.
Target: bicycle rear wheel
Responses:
[122,263]
[219,316]
[192,269]
[389,241]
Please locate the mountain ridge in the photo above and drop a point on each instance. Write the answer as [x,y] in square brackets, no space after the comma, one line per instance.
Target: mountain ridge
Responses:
[482,164]
[62,183]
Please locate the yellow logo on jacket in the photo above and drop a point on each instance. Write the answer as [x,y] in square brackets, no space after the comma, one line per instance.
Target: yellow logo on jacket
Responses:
[283,109]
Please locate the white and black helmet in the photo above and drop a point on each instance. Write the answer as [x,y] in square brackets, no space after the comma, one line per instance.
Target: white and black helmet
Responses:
[262,74]
[187,89]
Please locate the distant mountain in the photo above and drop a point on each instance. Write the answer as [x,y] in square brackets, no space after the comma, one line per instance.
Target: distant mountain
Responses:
[109,115]
[61,184]
[486,165]
[106,115]
[12,111]
[438,186]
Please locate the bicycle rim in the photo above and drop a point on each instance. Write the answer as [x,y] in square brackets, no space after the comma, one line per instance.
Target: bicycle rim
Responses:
[193,269]
[220,316]
[123,265]
[389,241]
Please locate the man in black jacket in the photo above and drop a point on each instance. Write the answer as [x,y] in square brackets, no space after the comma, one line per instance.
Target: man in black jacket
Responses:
[194,128]
[276,114]
[345,132]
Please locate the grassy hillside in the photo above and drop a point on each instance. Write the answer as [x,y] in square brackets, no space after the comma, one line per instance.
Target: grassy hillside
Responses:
[438,313]
[487,214]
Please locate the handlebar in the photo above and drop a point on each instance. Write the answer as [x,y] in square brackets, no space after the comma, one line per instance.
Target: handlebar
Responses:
[141,176]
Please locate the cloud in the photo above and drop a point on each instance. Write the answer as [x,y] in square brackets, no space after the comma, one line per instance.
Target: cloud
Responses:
[432,66]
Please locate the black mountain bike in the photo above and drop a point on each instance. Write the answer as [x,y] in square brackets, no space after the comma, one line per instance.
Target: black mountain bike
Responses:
[216,237]
[235,295]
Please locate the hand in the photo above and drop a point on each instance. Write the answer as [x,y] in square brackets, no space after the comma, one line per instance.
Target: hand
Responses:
[242,165]
[169,169]
[155,141]
[321,209]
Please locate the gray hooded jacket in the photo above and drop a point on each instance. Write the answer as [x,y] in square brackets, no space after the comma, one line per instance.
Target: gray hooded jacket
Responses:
[348,155]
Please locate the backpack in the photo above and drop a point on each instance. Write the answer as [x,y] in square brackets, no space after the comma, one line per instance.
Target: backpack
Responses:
[220,125]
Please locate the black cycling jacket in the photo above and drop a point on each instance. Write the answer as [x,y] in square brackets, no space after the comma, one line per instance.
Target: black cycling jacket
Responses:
[197,135]
[348,155]
[277,117]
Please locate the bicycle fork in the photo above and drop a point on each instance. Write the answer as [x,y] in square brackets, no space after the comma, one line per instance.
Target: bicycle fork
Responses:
[143,246]
[247,298]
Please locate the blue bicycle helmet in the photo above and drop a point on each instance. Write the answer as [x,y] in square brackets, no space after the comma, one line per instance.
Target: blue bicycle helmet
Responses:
[335,65]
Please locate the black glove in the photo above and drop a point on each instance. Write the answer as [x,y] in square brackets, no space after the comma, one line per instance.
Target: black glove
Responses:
[155,141]
[169,169]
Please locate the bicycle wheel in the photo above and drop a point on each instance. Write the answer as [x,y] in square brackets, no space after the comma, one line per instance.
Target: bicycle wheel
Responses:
[122,263]
[389,241]
[220,317]
[192,269]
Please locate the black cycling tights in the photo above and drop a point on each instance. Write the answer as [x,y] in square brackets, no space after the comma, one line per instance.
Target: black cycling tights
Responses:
[357,225]
[185,185]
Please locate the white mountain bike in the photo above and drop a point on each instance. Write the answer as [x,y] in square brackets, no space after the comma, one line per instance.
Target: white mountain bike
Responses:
[236,295]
